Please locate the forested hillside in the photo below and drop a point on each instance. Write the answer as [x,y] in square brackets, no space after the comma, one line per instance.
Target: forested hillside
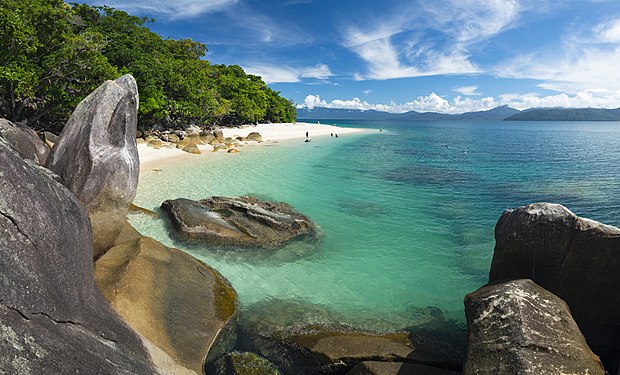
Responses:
[53,54]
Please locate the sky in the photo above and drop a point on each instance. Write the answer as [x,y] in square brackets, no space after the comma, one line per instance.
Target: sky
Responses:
[449,56]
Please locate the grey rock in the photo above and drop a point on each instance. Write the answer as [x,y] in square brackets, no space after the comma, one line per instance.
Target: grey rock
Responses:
[577,259]
[25,141]
[50,139]
[53,319]
[219,135]
[237,221]
[517,327]
[97,157]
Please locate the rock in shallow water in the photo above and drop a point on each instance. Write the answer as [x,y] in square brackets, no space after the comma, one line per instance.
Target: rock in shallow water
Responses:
[518,327]
[237,221]
[97,157]
[244,363]
[577,259]
[179,303]
[53,320]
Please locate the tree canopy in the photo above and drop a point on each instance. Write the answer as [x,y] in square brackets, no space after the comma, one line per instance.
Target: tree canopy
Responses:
[53,54]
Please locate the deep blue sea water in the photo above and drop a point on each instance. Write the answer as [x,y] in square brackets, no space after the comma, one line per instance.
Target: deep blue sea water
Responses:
[406,215]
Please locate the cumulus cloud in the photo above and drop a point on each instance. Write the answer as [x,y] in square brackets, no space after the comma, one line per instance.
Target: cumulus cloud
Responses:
[275,74]
[467,90]
[177,9]
[436,103]
[608,31]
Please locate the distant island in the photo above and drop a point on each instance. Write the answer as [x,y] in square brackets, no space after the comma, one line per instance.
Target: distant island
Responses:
[501,113]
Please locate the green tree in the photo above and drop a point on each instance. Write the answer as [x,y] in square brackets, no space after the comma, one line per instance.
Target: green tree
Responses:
[48,62]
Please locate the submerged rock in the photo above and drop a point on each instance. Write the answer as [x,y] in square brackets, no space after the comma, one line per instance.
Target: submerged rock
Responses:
[577,259]
[237,221]
[177,302]
[97,157]
[53,320]
[518,327]
[25,141]
[244,363]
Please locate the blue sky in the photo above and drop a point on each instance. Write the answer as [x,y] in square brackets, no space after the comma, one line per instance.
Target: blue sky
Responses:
[437,55]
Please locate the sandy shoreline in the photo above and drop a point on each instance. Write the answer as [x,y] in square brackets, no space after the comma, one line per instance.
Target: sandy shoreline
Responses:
[151,158]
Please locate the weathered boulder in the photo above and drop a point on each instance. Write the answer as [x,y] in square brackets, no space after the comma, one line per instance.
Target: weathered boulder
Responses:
[219,135]
[192,149]
[53,320]
[577,259]
[207,138]
[97,157]
[177,302]
[244,363]
[232,150]
[173,138]
[254,136]
[155,143]
[25,141]
[219,146]
[183,143]
[517,327]
[237,221]
[397,368]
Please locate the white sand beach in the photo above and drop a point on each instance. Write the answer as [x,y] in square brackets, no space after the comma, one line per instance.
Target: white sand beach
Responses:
[151,158]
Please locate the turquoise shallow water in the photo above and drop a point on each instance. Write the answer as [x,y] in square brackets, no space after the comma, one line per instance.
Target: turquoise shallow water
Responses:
[406,215]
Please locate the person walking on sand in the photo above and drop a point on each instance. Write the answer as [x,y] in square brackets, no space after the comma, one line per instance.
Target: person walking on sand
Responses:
[331,134]
[306,134]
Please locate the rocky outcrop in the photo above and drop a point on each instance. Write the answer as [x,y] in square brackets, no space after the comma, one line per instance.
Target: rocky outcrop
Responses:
[575,258]
[53,320]
[518,327]
[237,221]
[97,157]
[177,302]
[192,149]
[25,141]
[397,368]
[244,363]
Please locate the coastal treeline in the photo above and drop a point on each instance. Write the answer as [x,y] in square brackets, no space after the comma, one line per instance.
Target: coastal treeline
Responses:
[53,54]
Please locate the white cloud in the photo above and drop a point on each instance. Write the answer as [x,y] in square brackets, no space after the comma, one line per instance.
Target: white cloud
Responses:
[435,103]
[609,31]
[467,90]
[461,22]
[273,74]
[366,92]
[177,9]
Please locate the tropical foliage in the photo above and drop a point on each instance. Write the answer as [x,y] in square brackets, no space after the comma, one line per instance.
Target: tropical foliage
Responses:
[53,54]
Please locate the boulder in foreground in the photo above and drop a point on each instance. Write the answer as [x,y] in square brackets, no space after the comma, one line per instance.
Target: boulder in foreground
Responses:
[180,304]
[518,327]
[237,221]
[53,320]
[97,157]
[576,259]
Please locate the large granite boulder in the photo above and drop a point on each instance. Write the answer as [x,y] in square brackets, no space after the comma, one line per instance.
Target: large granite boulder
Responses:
[237,221]
[518,327]
[254,136]
[97,157]
[397,368]
[177,302]
[53,320]
[25,141]
[243,363]
[577,259]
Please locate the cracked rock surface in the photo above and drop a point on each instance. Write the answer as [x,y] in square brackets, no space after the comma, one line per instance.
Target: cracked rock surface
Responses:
[518,327]
[576,259]
[237,221]
[53,320]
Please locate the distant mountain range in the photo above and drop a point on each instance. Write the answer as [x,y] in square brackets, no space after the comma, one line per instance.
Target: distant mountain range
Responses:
[496,114]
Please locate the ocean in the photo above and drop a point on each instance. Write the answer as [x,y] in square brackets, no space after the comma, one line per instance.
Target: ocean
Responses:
[406,214]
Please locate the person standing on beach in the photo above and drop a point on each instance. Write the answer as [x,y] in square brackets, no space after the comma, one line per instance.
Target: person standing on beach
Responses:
[306,134]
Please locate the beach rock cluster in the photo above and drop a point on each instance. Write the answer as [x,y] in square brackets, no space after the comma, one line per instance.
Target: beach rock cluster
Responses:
[562,255]
[237,221]
[191,140]
[52,317]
